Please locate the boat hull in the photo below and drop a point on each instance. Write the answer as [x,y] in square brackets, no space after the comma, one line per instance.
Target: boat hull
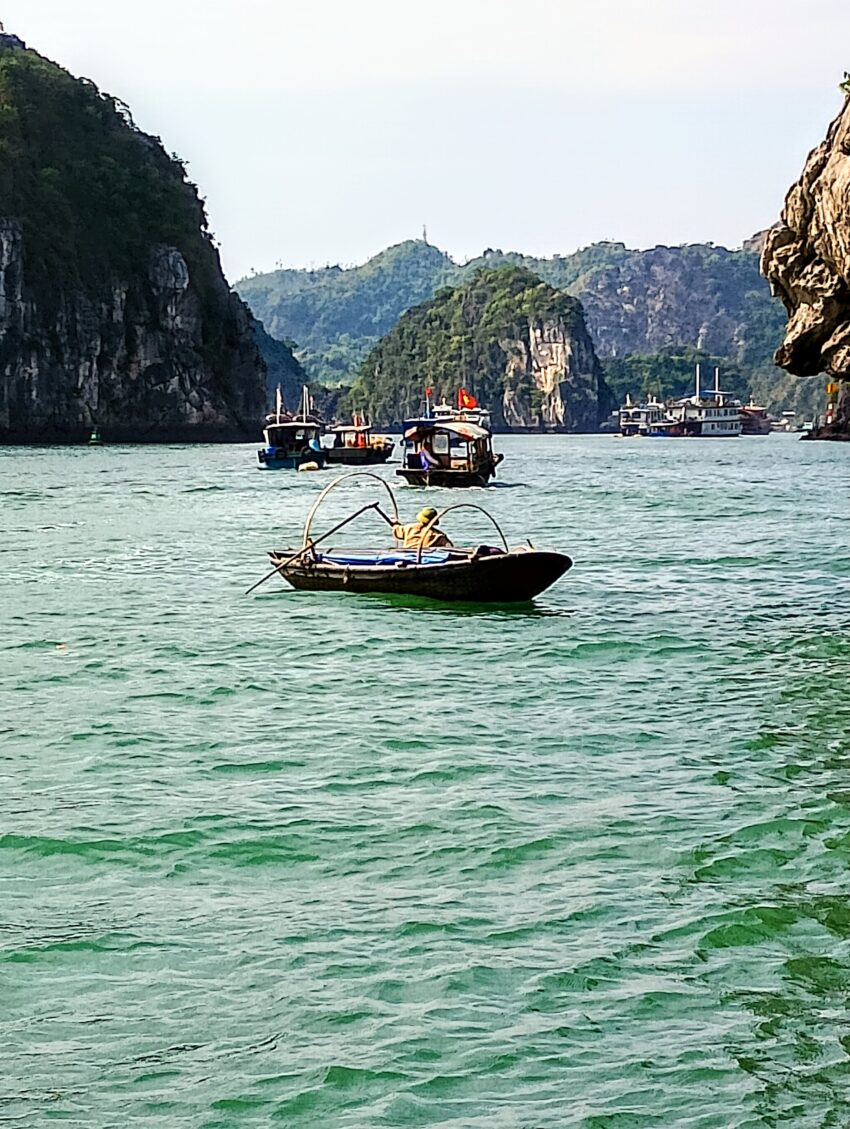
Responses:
[500,578]
[271,460]
[441,477]
[357,456]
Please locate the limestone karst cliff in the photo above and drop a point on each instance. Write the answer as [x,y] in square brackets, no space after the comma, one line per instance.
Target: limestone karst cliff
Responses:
[552,379]
[699,296]
[806,259]
[520,346]
[283,371]
[114,311]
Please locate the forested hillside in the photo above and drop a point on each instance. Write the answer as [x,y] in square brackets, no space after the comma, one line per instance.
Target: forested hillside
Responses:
[335,316]
[684,302]
[115,312]
[518,345]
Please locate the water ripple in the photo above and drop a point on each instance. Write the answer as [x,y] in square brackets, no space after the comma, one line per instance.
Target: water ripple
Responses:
[369,861]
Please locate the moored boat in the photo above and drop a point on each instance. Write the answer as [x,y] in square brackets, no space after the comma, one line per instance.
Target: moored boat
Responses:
[754,419]
[649,419]
[713,416]
[355,444]
[480,574]
[448,446]
[292,442]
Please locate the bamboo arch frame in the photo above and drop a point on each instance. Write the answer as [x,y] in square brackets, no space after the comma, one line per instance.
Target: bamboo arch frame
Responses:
[460,506]
[332,485]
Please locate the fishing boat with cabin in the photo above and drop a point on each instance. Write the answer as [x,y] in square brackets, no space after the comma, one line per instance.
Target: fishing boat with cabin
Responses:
[448,446]
[478,574]
[754,419]
[292,442]
[355,444]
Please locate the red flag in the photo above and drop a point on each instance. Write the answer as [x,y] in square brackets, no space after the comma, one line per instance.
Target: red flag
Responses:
[429,392]
[465,400]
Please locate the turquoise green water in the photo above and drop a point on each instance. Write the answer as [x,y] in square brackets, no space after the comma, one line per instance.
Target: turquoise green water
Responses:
[329,860]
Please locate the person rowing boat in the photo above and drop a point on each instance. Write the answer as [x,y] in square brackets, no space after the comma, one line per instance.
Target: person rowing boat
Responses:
[426,565]
[423,531]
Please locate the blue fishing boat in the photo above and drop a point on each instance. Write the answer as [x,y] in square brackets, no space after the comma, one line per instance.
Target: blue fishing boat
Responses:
[292,442]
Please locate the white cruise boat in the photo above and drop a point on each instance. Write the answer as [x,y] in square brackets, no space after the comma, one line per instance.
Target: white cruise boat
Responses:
[649,419]
[716,415]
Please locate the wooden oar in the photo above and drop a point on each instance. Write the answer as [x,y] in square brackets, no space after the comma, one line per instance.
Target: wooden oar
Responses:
[312,543]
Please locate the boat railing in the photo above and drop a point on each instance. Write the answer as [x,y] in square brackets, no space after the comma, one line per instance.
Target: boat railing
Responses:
[459,506]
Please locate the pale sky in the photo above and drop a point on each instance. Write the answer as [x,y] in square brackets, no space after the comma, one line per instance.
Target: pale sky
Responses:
[321,131]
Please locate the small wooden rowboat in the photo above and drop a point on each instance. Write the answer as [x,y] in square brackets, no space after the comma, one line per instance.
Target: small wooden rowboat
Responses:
[485,574]
[482,575]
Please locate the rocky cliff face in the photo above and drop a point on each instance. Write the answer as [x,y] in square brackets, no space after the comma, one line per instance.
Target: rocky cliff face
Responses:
[519,346]
[282,369]
[114,311]
[553,380]
[697,296]
[806,259]
[131,360]
[703,297]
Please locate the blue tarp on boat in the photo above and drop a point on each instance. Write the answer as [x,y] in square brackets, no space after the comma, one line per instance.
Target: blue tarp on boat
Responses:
[386,557]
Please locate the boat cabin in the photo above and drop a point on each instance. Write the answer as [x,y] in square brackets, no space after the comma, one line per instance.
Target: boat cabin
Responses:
[650,418]
[445,413]
[754,419]
[717,416]
[447,453]
[355,444]
[290,444]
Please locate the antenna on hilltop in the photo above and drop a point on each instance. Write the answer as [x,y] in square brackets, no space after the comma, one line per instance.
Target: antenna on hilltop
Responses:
[424,233]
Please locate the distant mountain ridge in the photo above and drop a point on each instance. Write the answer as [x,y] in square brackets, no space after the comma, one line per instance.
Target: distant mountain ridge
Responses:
[335,315]
[698,296]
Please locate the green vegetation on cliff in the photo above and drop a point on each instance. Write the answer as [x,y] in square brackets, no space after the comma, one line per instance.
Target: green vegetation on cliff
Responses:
[117,313]
[282,369]
[652,314]
[636,302]
[337,315]
[91,191]
[456,340]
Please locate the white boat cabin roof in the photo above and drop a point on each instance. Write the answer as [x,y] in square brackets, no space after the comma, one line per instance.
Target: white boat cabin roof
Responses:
[294,425]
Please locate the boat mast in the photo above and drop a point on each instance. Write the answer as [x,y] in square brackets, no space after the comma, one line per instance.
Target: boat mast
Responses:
[278,403]
[696,392]
[717,384]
